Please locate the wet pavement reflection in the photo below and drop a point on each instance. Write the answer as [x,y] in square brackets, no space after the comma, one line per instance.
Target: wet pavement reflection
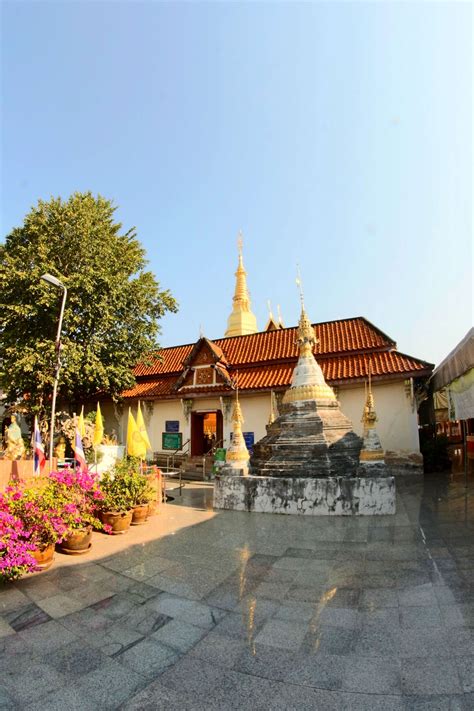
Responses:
[237,610]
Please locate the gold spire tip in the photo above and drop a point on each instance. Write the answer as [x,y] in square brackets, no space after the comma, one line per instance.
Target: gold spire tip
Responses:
[299,284]
[240,243]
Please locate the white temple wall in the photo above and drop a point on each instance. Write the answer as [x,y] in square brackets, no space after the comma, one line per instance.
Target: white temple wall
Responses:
[397,424]
[256,413]
[162,411]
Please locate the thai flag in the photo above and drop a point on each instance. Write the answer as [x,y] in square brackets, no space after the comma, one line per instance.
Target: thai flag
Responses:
[79,455]
[38,450]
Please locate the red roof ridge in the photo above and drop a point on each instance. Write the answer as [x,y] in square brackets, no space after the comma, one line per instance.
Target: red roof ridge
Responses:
[420,360]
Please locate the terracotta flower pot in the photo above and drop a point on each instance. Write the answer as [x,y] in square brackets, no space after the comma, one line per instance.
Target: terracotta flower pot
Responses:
[78,542]
[119,521]
[140,514]
[44,556]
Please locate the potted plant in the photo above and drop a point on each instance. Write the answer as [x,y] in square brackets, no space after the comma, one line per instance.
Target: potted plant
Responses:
[130,479]
[81,495]
[116,508]
[142,494]
[42,516]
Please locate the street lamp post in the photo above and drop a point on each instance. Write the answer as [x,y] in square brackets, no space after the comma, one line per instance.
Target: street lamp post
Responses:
[55,282]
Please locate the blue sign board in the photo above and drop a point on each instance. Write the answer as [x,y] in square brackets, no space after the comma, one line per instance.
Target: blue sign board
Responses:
[249,438]
[172,426]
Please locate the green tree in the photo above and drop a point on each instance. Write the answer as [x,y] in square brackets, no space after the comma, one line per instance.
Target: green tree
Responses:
[112,310]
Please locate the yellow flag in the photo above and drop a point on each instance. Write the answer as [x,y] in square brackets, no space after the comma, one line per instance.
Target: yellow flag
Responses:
[142,428]
[80,424]
[136,446]
[99,428]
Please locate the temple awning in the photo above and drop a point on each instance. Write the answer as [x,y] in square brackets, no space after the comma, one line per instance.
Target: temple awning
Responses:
[456,375]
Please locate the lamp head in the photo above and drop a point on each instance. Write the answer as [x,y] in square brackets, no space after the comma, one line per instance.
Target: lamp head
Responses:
[52,280]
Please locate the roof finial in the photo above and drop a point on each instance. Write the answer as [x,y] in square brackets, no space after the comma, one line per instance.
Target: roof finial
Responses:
[201,331]
[269,304]
[299,284]
[280,320]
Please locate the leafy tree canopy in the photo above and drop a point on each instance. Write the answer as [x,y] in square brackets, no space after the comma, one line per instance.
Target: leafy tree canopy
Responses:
[112,310]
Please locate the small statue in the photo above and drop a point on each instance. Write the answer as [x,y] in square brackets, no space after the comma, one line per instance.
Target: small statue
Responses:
[15,447]
[60,448]
[111,439]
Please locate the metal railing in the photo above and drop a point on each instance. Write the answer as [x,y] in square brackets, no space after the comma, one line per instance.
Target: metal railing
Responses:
[214,447]
[173,454]
[153,468]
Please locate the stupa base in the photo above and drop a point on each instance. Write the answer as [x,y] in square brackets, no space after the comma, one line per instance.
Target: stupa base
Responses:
[328,496]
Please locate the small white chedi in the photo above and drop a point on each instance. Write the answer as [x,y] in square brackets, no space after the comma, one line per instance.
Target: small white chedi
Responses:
[237,456]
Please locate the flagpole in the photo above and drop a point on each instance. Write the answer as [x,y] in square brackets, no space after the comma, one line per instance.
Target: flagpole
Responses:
[33,443]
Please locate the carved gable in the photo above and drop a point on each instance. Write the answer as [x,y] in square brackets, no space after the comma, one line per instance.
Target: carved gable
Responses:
[204,356]
[205,366]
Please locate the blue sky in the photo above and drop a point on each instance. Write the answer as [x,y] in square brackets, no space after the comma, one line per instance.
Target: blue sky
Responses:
[336,135]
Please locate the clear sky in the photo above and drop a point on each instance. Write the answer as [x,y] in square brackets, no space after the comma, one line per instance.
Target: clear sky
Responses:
[336,135]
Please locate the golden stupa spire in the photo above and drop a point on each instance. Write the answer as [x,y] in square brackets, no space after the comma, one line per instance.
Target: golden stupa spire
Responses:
[306,338]
[369,416]
[241,321]
[308,381]
[371,452]
[237,453]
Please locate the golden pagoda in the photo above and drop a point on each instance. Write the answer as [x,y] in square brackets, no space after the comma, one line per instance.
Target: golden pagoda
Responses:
[371,452]
[241,321]
[237,456]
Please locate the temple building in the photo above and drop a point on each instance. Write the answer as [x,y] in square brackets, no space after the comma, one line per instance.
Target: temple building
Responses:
[188,392]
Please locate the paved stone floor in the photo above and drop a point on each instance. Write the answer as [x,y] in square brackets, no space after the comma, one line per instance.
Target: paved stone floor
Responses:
[205,610]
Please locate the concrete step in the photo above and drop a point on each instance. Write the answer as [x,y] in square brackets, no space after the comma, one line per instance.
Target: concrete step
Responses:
[196,464]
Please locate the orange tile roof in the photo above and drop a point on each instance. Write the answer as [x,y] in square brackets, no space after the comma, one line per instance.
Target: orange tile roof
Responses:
[266,360]
[354,334]
[151,388]
[168,360]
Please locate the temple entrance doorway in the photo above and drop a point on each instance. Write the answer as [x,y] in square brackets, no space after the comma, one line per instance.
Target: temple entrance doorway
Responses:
[206,431]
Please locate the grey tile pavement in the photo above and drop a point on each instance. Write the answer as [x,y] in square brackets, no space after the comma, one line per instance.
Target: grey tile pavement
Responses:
[256,611]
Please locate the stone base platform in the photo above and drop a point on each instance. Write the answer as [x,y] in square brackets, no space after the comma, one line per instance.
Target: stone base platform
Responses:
[330,496]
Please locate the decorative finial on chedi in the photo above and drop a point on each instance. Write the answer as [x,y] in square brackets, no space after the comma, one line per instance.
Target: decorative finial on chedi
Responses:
[308,381]
[372,456]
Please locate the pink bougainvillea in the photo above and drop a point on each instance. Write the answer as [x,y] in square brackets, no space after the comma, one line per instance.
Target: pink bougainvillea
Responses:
[44,512]
[15,546]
